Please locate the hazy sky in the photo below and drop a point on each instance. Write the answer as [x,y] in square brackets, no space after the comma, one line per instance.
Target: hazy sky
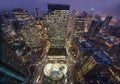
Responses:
[106,6]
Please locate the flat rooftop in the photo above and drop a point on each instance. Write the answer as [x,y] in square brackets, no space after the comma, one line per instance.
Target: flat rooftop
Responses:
[52,7]
[57,51]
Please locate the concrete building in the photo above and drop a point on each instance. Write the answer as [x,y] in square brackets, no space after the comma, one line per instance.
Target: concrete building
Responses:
[31,34]
[20,14]
[57,26]
[71,26]
[12,70]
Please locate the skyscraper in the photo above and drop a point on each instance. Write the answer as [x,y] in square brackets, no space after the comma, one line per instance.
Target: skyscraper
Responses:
[38,13]
[107,20]
[71,26]
[52,7]
[56,21]
[12,70]
[91,13]
[20,14]
[95,27]
[92,27]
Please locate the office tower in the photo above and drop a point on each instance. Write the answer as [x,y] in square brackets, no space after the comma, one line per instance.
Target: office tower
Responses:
[4,16]
[92,27]
[91,13]
[20,14]
[12,70]
[98,16]
[56,21]
[89,19]
[71,26]
[107,20]
[95,27]
[79,25]
[38,13]
[88,65]
[98,27]
[86,27]
[99,75]
[97,65]
[31,33]
[114,30]
[52,7]
[8,31]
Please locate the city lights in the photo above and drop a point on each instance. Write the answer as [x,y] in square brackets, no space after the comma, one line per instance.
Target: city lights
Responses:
[60,45]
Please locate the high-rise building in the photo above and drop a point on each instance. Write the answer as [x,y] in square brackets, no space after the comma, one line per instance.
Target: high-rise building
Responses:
[92,27]
[80,23]
[95,61]
[5,17]
[107,20]
[32,34]
[8,31]
[91,13]
[12,70]
[38,13]
[57,25]
[95,27]
[21,14]
[52,7]
[71,26]
[99,75]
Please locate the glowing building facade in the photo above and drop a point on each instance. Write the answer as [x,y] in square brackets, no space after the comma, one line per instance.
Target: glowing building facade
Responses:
[57,26]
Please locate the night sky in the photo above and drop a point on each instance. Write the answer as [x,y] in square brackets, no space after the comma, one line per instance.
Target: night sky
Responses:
[104,6]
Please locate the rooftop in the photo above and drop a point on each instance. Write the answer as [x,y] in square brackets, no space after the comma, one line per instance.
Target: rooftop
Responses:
[52,7]
[57,51]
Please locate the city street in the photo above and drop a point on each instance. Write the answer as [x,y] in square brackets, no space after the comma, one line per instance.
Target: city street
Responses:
[70,78]
[60,43]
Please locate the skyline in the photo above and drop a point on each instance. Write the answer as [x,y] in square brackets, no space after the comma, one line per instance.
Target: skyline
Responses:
[104,6]
[61,45]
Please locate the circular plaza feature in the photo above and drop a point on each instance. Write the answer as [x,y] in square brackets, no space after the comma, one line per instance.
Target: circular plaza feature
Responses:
[55,71]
